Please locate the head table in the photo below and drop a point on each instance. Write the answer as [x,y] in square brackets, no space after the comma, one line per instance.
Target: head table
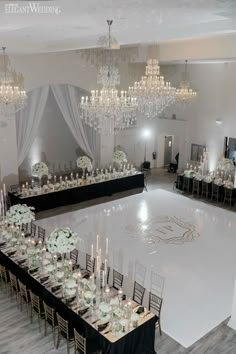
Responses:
[49,200]
[138,339]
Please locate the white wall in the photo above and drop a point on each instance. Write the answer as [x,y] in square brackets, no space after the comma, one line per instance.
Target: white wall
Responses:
[216,88]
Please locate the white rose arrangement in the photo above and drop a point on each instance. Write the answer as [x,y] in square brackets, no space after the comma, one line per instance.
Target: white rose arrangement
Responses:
[119,157]
[85,163]
[39,169]
[20,214]
[208,179]
[226,165]
[62,240]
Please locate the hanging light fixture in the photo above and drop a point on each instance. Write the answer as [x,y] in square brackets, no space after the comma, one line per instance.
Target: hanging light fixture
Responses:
[152,92]
[12,96]
[108,108]
[184,93]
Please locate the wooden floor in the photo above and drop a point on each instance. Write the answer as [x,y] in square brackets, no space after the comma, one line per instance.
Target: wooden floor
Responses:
[17,335]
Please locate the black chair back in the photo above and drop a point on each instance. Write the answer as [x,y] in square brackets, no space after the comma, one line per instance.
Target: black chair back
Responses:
[90,264]
[138,294]
[117,280]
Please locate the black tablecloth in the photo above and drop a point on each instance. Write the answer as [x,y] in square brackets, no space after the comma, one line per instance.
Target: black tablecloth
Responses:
[139,341]
[79,194]
[180,185]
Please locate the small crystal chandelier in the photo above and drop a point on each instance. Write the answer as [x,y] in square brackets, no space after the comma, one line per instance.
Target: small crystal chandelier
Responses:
[108,108]
[12,96]
[152,92]
[184,93]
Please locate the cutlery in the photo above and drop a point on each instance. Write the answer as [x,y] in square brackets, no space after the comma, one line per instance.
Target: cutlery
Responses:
[94,322]
[107,331]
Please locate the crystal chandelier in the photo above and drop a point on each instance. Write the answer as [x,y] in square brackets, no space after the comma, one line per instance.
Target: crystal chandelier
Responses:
[184,93]
[108,108]
[152,92]
[12,96]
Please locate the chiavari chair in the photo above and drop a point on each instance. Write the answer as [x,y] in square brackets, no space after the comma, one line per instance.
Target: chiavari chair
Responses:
[138,293]
[14,287]
[83,346]
[41,234]
[50,318]
[64,331]
[155,305]
[36,307]
[117,280]
[24,296]
[90,264]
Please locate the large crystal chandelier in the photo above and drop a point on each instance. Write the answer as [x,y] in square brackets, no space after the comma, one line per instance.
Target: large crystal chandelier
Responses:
[152,92]
[12,96]
[184,93]
[107,107]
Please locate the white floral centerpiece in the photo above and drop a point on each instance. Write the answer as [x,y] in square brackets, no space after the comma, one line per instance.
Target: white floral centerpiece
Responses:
[119,157]
[20,214]
[39,169]
[199,176]
[62,240]
[189,173]
[226,165]
[208,179]
[85,163]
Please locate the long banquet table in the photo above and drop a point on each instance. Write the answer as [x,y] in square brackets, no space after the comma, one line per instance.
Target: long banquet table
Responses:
[79,194]
[138,341]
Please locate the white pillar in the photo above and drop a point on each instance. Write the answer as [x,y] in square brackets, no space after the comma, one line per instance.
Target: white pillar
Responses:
[232,321]
[8,152]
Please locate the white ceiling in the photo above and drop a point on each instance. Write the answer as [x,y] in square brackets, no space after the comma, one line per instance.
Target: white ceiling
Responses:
[82,22]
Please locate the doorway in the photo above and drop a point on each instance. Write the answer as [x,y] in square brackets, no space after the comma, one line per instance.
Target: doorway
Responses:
[168,150]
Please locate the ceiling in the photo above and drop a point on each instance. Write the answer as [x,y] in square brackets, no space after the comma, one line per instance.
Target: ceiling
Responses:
[79,23]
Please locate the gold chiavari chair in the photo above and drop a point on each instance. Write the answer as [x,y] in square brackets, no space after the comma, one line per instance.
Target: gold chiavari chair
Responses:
[155,304]
[4,279]
[24,296]
[83,346]
[14,287]
[50,318]
[64,331]
[36,307]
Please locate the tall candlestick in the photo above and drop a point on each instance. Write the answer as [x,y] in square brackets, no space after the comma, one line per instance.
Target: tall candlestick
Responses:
[97,243]
[107,246]
[4,190]
[92,252]
[103,278]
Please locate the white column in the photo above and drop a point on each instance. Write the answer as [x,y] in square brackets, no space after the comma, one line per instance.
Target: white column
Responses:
[232,321]
[8,152]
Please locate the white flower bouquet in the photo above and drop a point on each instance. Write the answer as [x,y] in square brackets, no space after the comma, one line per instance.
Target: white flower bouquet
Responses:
[40,169]
[85,163]
[189,173]
[20,214]
[226,165]
[198,176]
[62,240]
[208,179]
[119,157]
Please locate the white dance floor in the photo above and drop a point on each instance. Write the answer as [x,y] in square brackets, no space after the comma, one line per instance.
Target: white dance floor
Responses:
[161,234]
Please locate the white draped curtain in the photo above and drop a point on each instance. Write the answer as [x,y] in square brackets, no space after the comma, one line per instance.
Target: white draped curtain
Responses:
[67,99]
[28,120]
